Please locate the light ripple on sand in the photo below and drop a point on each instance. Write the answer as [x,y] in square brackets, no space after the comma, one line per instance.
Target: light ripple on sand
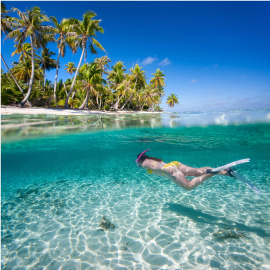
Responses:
[61,227]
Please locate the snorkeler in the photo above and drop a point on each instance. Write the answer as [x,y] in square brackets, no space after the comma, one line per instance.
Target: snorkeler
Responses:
[177,171]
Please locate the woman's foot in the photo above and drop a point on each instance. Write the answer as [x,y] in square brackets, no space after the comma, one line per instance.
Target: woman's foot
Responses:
[229,172]
[223,172]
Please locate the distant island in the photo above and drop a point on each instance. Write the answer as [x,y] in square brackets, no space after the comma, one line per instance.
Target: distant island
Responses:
[93,86]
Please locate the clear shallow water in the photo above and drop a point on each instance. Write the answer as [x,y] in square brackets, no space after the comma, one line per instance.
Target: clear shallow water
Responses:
[56,189]
[18,127]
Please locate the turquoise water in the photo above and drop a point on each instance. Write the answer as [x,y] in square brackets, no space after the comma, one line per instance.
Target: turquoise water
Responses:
[60,178]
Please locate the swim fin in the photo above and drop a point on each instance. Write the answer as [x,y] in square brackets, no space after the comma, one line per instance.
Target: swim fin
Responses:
[224,167]
[245,181]
[235,173]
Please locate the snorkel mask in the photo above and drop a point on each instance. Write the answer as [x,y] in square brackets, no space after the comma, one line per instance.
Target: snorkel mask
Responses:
[137,160]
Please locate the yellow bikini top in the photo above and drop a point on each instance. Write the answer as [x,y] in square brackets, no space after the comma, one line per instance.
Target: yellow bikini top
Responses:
[150,170]
[173,163]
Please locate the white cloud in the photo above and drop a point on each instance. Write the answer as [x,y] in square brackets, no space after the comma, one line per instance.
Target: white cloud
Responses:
[194,80]
[222,102]
[165,62]
[212,100]
[216,65]
[149,60]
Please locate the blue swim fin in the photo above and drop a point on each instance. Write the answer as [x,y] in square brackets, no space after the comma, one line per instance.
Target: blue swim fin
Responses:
[245,181]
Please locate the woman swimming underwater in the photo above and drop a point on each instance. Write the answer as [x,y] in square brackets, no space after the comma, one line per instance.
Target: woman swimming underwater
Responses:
[177,171]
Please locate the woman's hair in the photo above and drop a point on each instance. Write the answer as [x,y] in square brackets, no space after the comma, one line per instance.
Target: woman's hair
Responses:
[156,159]
[144,156]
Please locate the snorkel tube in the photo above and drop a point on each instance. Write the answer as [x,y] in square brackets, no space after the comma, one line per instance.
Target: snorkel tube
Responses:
[137,160]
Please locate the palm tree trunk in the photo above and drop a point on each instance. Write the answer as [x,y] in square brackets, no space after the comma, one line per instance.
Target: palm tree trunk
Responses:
[116,104]
[56,75]
[73,83]
[98,102]
[87,103]
[85,100]
[137,93]
[44,79]
[28,102]
[126,102]
[92,103]
[73,94]
[143,105]
[32,75]
[65,88]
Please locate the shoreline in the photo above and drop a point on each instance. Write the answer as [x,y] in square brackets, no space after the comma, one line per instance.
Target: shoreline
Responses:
[8,110]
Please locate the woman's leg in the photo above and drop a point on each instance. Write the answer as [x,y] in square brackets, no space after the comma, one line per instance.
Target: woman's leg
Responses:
[176,175]
[189,171]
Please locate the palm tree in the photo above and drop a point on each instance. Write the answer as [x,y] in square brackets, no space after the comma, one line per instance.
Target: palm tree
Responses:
[158,81]
[171,101]
[10,91]
[46,62]
[139,79]
[103,63]
[6,28]
[117,74]
[23,70]
[92,81]
[150,96]
[83,32]
[48,85]
[70,67]
[126,89]
[116,77]
[24,51]
[30,25]
[14,79]
[5,23]
[61,29]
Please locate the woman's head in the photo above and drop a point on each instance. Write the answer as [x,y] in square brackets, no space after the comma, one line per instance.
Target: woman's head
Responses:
[142,157]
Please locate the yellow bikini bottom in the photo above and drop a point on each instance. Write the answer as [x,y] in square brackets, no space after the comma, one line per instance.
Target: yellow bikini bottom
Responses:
[173,163]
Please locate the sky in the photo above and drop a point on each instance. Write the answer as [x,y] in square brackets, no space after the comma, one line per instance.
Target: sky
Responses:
[215,55]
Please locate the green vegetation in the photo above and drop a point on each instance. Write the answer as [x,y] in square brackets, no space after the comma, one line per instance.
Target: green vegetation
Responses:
[172,100]
[93,86]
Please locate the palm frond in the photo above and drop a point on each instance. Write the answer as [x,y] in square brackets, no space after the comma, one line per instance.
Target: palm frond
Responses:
[55,22]
[20,14]
[3,8]
[97,44]
[92,49]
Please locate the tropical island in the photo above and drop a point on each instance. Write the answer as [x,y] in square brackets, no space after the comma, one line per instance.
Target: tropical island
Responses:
[93,86]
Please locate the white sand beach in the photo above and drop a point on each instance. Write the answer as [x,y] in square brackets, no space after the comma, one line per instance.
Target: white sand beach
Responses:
[7,110]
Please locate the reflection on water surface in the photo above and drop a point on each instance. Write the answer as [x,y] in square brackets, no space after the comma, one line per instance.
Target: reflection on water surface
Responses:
[16,127]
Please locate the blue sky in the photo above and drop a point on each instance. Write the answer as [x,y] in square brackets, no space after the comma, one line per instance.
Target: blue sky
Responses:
[216,55]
